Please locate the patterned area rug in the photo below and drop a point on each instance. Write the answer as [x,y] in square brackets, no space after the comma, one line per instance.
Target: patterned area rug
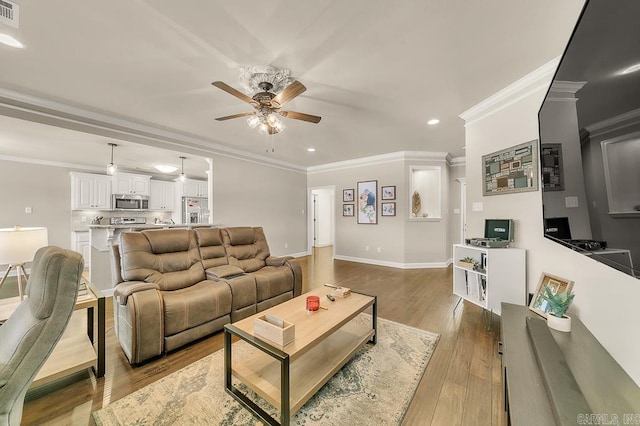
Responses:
[377,385]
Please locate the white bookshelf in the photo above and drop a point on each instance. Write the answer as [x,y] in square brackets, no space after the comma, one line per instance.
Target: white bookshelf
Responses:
[503,279]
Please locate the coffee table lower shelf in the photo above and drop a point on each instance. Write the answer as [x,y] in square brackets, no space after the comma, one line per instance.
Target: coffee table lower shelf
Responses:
[261,372]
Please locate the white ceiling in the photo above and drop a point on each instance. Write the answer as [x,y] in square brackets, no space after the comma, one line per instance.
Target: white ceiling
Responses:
[375,71]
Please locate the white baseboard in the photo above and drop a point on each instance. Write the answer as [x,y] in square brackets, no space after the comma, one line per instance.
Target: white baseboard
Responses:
[394,264]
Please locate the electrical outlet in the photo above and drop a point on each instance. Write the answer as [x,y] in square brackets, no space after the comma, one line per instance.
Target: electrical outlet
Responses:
[286,245]
[379,250]
[28,210]
[366,248]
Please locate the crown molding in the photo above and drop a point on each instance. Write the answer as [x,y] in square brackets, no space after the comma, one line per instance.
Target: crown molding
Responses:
[631,118]
[567,86]
[532,82]
[458,161]
[381,159]
[33,108]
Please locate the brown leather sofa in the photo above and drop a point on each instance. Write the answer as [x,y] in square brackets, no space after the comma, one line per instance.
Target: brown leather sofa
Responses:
[174,286]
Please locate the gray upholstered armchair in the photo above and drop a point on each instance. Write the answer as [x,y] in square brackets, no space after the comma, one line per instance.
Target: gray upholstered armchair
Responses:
[32,331]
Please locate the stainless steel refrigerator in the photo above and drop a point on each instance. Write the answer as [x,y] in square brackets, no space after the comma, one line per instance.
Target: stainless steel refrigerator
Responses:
[195,210]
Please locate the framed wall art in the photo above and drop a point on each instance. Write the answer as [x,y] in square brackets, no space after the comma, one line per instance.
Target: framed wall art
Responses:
[388,192]
[388,209]
[511,170]
[347,210]
[551,158]
[367,202]
[347,195]
[556,284]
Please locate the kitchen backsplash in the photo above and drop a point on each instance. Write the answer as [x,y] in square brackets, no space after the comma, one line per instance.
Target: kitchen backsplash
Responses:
[81,219]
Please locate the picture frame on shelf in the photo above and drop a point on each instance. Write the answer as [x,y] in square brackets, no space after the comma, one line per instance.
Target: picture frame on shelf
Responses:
[347,210]
[388,209]
[367,202]
[347,195]
[511,170]
[389,192]
[556,284]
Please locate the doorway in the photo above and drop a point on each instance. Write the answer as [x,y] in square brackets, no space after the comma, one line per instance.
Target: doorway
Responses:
[321,209]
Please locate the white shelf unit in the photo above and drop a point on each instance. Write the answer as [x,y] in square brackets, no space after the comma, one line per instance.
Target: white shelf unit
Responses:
[503,279]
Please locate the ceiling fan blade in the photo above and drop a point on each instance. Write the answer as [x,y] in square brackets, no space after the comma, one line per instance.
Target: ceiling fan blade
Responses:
[238,94]
[301,116]
[291,91]
[229,117]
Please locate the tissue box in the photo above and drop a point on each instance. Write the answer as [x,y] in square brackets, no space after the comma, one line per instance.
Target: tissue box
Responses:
[273,333]
[342,292]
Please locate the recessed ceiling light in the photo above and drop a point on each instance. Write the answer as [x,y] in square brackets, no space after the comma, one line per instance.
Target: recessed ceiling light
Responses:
[311,149]
[165,168]
[433,122]
[629,70]
[10,41]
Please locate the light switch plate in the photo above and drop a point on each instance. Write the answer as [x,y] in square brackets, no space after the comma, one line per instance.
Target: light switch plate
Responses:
[571,202]
[477,207]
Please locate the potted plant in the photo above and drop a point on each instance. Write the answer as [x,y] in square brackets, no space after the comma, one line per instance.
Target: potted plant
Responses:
[558,304]
[467,262]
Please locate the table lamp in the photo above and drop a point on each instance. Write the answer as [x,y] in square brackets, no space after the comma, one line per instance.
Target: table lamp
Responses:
[18,246]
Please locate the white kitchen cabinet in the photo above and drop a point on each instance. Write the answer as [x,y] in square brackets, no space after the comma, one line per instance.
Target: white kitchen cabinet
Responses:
[82,245]
[90,191]
[195,188]
[499,278]
[129,183]
[162,195]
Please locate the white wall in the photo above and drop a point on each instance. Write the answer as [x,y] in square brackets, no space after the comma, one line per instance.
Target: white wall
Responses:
[606,300]
[402,243]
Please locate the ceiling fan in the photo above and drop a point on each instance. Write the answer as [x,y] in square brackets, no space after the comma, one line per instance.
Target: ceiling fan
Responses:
[267,105]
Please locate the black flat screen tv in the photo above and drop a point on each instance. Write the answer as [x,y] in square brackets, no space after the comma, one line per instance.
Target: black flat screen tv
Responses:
[499,228]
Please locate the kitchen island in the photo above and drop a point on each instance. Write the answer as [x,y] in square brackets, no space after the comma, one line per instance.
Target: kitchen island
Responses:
[102,237]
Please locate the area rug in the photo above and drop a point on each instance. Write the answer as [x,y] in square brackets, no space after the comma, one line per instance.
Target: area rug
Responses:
[375,387]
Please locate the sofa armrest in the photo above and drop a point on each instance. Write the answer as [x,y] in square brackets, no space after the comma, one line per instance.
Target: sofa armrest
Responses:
[125,289]
[223,271]
[297,276]
[277,260]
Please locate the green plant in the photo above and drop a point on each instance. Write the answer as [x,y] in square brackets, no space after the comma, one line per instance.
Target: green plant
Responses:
[469,260]
[558,303]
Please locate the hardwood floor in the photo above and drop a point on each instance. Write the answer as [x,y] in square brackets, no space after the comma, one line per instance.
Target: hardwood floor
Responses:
[461,386]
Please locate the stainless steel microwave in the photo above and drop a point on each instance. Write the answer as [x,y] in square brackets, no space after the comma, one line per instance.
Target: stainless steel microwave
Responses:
[130,202]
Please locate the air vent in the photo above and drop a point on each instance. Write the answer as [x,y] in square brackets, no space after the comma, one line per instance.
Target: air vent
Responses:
[9,13]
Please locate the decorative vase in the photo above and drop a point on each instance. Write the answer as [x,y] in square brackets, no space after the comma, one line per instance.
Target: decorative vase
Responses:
[557,323]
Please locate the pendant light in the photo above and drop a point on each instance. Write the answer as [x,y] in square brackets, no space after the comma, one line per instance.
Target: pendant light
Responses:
[182,176]
[111,167]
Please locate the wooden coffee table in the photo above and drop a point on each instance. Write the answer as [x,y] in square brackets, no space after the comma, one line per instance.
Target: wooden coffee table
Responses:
[289,376]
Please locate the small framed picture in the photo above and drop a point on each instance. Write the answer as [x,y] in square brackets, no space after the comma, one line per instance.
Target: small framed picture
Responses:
[556,284]
[347,195]
[388,209]
[347,210]
[389,192]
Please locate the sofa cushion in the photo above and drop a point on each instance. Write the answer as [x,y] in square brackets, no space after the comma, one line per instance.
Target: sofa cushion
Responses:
[246,247]
[200,303]
[211,247]
[168,257]
[272,281]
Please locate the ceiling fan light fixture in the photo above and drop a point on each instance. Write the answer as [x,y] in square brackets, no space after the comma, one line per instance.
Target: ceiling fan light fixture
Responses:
[272,120]
[253,121]
[264,128]
[279,126]
[111,167]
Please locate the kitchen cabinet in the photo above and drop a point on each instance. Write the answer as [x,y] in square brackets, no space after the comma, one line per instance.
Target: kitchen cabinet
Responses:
[83,246]
[162,195]
[129,183]
[195,188]
[90,191]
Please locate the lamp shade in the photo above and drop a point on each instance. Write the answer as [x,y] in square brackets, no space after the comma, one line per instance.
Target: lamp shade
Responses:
[19,245]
